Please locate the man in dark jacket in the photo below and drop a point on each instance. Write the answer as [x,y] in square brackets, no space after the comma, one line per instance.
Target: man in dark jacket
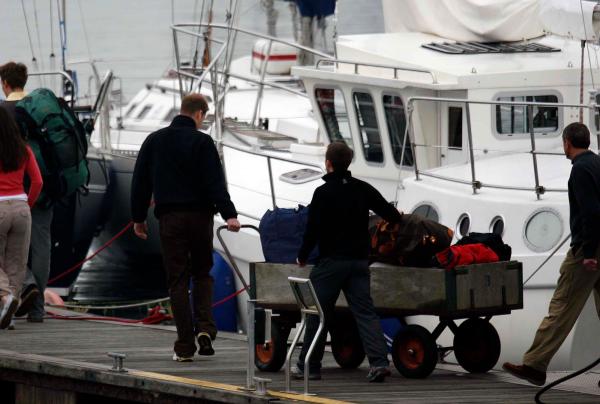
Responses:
[180,166]
[579,274]
[338,221]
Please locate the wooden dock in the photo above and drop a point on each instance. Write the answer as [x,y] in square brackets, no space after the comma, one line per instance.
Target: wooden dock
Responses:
[70,359]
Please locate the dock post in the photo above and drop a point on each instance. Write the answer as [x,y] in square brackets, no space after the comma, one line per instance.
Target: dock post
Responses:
[251,346]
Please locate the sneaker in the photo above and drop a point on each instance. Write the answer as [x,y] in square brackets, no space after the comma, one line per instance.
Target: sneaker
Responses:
[205,347]
[8,310]
[378,374]
[178,358]
[30,293]
[525,372]
[298,374]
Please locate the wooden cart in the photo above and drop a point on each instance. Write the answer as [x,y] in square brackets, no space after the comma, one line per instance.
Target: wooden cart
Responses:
[474,293]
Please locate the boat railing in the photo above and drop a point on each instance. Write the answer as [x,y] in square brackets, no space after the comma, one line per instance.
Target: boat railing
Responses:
[224,54]
[65,76]
[269,159]
[474,182]
[357,65]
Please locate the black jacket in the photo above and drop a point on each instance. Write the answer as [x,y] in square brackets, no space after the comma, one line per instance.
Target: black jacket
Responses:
[338,217]
[181,167]
[584,202]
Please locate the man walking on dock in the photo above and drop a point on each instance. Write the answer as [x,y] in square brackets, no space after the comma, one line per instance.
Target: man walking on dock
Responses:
[579,273]
[338,221]
[180,166]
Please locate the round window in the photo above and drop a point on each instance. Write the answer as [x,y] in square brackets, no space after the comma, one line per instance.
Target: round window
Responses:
[463,225]
[543,230]
[497,226]
[427,211]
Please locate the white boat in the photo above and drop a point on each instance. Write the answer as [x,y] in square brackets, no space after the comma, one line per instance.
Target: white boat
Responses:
[462,131]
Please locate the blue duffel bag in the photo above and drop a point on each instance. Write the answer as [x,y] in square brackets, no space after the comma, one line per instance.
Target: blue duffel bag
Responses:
[281,233]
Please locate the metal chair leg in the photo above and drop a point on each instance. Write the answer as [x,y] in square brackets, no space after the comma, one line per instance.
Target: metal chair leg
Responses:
[309,353]
[288,358]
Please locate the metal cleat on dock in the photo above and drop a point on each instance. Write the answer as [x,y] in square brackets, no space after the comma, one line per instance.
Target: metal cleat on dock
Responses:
[117,361]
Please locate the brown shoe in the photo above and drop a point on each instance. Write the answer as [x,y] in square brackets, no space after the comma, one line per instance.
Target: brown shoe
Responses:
[525,372]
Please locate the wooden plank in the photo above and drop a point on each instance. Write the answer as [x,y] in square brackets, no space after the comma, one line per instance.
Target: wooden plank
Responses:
[35,395]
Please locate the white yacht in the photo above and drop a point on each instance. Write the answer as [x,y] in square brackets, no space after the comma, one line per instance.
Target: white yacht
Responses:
[460,123]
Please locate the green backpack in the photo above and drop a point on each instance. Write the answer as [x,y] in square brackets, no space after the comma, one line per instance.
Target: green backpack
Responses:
[58,141]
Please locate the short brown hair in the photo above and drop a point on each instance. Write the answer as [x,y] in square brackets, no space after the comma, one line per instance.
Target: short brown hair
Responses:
[15,74]
[340,156]
[193,103]
[577,134]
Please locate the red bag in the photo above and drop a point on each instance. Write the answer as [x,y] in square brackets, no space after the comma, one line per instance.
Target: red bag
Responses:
[466,254]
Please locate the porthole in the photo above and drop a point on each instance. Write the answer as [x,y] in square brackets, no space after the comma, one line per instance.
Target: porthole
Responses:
[497,226]
[427,211]
[543,230]
[463,226]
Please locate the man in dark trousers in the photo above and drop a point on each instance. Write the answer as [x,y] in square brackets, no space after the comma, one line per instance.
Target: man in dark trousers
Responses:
[180,166]
[579,274]
[338,221]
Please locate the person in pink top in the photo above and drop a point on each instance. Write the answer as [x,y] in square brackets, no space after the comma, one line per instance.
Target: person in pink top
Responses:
[16,161]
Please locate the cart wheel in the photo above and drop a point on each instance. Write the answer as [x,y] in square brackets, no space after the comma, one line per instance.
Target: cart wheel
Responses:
[270,356]
[476,345]
[414,352]
[347,347]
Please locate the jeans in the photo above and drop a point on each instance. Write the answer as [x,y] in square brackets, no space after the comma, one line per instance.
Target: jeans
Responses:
[329,277]
[186,243]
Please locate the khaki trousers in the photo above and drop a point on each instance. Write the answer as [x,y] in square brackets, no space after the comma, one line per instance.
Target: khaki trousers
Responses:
[574,287]
[15,231]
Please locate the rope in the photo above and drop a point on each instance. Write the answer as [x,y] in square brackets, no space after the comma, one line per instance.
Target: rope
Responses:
[538,396]
[154,317]
[33,58]
[79,264]
[51,30]
[39,39]
[547,259]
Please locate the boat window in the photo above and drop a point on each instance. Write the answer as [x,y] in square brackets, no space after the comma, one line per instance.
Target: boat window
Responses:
[335,116]
[427,211]
[173,112]
[144,112]
[367,124]
[396,124]
[455,127]
[130,110]
[511,119]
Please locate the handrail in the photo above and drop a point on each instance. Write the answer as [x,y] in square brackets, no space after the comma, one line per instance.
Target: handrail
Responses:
[396,69]
[269,158]
[64,75]
[539,189]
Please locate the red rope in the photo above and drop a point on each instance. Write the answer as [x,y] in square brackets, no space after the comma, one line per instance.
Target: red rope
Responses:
[104,247]
[226,299]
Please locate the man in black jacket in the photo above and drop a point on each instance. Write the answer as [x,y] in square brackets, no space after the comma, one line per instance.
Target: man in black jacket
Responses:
[338,221]
[181,167]
[579,274]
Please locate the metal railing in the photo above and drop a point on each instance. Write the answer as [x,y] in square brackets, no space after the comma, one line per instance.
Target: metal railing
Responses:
[476,184]
[269,168]
[395,69]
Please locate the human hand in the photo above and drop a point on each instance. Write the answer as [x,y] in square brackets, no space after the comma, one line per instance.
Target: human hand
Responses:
[233,225]
[590,264]
[141,230]
[300,263]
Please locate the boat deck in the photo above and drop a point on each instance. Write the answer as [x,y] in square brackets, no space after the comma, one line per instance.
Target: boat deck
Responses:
[79,349]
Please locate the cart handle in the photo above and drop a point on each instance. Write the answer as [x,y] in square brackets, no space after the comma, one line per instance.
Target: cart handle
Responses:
[230,257]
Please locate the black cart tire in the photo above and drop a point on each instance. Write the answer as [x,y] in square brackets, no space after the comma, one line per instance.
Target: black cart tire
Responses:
[414,352]
[477,345]
[347,348]
[270,356]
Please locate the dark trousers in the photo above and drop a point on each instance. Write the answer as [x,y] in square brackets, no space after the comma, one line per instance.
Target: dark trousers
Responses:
[186,243]
[329,277]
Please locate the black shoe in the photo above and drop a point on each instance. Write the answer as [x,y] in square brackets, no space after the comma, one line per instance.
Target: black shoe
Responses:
[30,293]
[35,319]
[298,374]
[378,374]
[205,347]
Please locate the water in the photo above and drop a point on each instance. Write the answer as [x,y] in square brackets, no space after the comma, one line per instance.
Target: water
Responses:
[133,37]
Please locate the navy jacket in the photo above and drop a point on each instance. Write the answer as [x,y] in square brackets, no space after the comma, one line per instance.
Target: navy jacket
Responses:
[338,217]
[181,167]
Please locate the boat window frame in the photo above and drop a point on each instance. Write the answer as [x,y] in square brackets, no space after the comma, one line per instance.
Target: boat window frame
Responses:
[145,110]
[526,135]
[359,133]
[387,128]
[316,87]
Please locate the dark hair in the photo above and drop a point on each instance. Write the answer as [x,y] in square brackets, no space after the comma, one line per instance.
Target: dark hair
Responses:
[193,103]
[15,74]
[340,155]
[577,134]
[12,145]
